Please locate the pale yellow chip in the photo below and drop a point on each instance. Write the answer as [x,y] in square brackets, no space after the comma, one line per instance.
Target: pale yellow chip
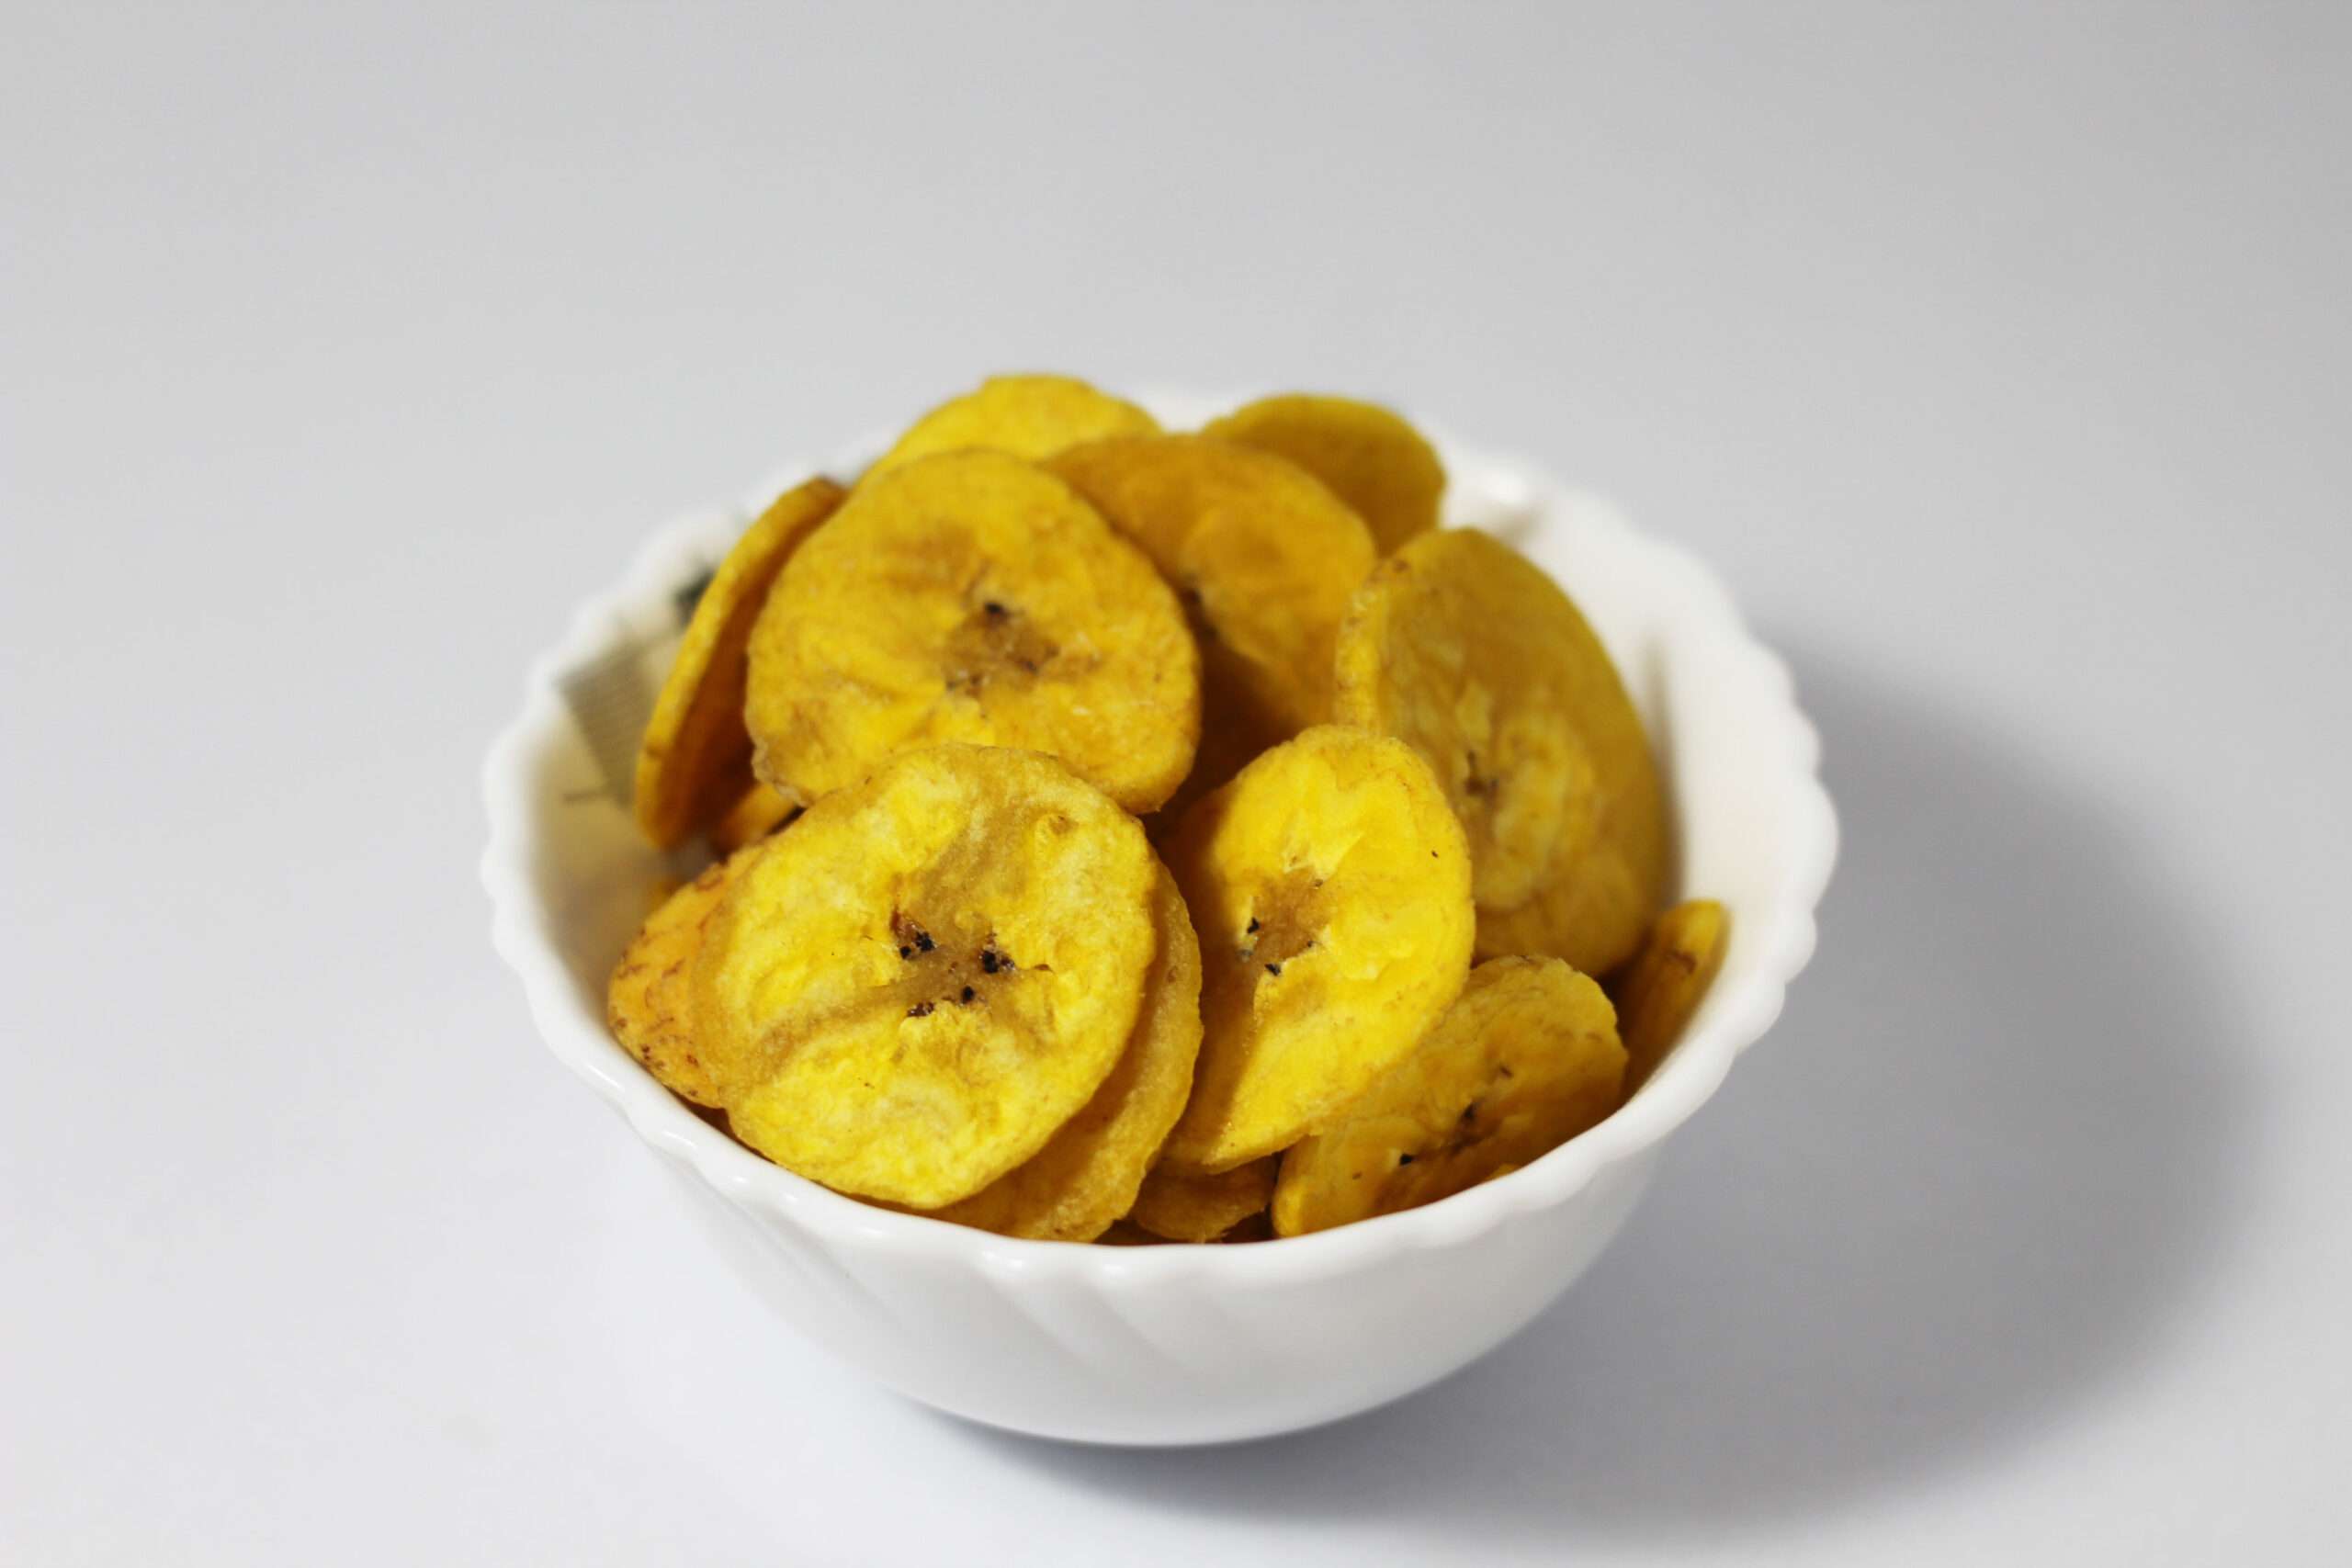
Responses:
[1474,657]
[696,759]
[1369,457]
[1028,417]
[1202,1208]
[1659,991]
[972,597]
[1524,1061]
[1265,559]
[649,1004]
[1088,1173]
[1331,887]
[906,992]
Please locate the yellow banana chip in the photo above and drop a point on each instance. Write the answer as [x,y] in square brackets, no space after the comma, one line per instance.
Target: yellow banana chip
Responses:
[1662,987]
[904,994]
[1264,558]
[1331,887]
[1527,1059]
[972,597]
[1028,417]
[1369,458]
[1202,1208]
[1475,656]
[757,812]
[649,1004]
[1087,1173]
[696,759]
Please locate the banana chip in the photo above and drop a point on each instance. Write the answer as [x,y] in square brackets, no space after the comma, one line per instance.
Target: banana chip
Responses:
[971,597]
[649,1004]
[1662,987]
[1265,559]
[696,759]
[1370,457]
[1527,1059]
[1202,1208]
[1028,417]
[1330,886]
[1477,659]
[1088,1173]
[757,812]
[905,994]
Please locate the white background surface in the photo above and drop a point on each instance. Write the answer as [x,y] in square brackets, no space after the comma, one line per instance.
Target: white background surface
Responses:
[1998,356]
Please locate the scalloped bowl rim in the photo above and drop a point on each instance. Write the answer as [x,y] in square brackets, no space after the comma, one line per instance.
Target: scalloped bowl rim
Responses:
[1734,1019]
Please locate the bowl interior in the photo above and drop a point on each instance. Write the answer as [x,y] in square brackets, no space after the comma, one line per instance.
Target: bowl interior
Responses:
[1752,828]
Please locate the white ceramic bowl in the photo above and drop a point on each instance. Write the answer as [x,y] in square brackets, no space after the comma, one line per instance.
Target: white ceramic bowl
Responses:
[1173,1345]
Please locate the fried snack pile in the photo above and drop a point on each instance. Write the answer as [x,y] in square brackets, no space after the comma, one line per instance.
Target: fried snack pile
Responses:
[1104,822]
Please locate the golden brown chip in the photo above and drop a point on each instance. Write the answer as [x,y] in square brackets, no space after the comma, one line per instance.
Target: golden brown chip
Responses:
[1369,458]
[1202,1208]
[1523,1062]
[908,990]
[757,812]
[1473,656]
[649,1004]
[1662,987]
[1258,1226]
[1122,1234]
[1331,887]
[1028,417]
[1264,558]
[696,759]
[971,597]
[1087,1173]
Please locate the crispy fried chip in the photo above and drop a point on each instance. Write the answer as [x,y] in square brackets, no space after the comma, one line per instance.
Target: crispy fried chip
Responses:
[1087,1173]
[1523,1062]
[1122,1234]
[1369,457]
[971,597]
[1662,987]
[1265,559]
[1477,659]
[1028,417]
[649,1004]
[1202,1208]
[906,992]
[1330,886]
[757,812]
[696,759]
